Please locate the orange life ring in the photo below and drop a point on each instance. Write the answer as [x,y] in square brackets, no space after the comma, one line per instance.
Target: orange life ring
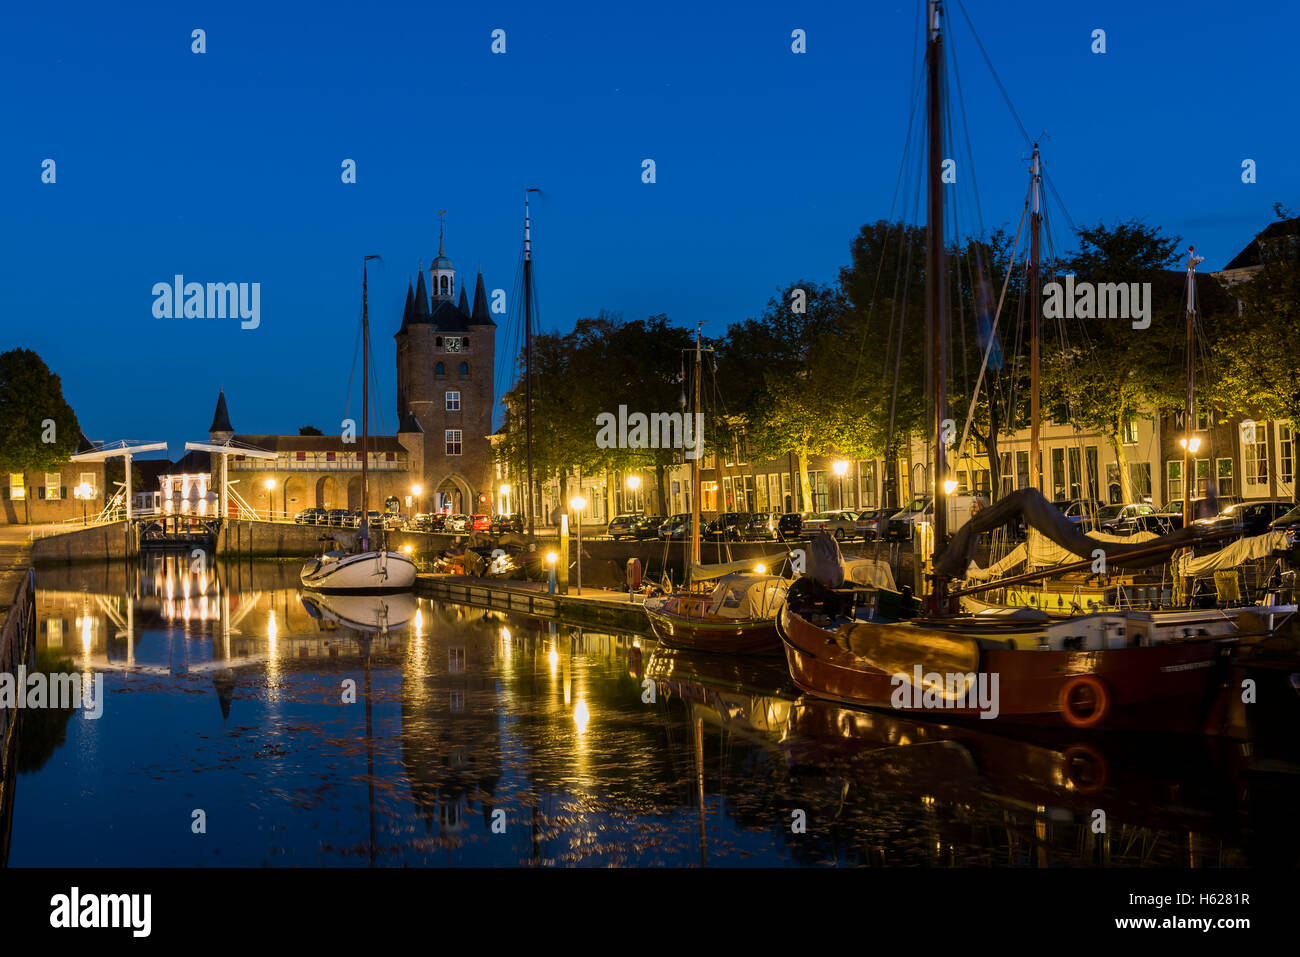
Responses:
[1100,693]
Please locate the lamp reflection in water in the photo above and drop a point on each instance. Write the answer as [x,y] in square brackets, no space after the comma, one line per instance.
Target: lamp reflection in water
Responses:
[581,716]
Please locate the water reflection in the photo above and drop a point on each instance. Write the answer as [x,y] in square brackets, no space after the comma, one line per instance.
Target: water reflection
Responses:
[389,731]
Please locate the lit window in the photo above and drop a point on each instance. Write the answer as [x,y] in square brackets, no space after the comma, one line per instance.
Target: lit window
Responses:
[1286,454]
[16,487]
[453,441]
[1130,432]
[52,482]
[453,401]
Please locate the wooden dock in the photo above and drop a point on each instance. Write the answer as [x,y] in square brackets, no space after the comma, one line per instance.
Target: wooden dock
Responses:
[594,607]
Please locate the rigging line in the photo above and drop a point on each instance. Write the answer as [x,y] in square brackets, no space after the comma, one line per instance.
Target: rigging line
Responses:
[356,349]
[996,79]
[970,153]
[970,413]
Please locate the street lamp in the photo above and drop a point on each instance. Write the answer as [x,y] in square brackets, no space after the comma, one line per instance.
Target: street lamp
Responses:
[270,484]
[578,503]
[634,483]
[841,468]
[83,492]
[550,561]
[415,491]
[505,490]
[1189,449]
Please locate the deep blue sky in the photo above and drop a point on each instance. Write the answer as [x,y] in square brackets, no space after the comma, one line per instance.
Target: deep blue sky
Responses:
[225,166]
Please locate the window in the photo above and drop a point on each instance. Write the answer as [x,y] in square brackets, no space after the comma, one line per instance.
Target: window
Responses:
[453,401]
[820,491]
[761,492]
[453,441]
[1022,470]
[749,492]
[708,496]
[464,368]
[1114,494]
[1058,475]
[390,456]
[726,493]
[1139,476]
[88,479]
[1254,460]
[787,503]
[330,456]
[439,369]
[867,476]
[1202,477]
[300,456]
[1224,475]
[1204,419]
[52,482]
[1075,487]
[1090,471]
[1286,453]
[1130,431]
[1174,481]
[16,487]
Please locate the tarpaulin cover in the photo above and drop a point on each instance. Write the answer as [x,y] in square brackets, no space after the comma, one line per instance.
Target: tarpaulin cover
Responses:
[1245,550]
[1038,513]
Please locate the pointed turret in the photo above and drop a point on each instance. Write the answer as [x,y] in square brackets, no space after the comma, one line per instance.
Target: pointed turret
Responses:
[421,298]
[408,313]
[463,304]
[480,316]
[221,418]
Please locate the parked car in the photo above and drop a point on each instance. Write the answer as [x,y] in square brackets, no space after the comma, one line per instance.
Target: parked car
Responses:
[393,521]
[621,525]
[480,523]
[457,523]
[646,526]
[726,526]
[1124,519]
[1286,521]
[1079,511]
[338,517]
[789,525]
[501,524]
[868,524]
[437,521]
[760,527]
[677,527]
[1253,518]
[308,516]
[961,506]
[1169,518]
[839,523]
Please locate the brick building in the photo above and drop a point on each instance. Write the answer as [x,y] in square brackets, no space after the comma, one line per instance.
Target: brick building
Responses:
[446,351]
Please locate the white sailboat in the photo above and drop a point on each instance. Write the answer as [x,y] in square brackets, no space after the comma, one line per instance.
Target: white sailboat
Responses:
[365,569]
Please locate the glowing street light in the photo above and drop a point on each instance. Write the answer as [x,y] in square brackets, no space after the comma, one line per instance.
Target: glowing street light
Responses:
[269,485]
[841,468]
[83,492]
[1190,445]
[415,492]
[634,483]
[949,486]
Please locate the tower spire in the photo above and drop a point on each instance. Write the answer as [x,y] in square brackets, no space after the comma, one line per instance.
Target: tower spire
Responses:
[442,215]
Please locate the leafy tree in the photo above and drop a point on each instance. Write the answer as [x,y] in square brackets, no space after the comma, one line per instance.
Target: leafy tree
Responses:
[38,429]
[309,430]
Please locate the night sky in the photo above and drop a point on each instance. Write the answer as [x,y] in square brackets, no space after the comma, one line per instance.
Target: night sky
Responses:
[225,166]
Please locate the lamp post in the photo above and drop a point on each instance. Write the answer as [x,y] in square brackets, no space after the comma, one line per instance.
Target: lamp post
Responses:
[578,503]
[505,490]
[1189,449]
[415,491]
[550,561]
[83,492]
[841,468]
[634,483]
[270,484]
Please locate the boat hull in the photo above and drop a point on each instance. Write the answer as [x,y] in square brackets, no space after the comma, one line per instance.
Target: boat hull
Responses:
[1169,686]
[367,572]
[740,636]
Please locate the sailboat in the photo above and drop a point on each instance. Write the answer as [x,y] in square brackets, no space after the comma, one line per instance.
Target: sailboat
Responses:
[364,569]
[738,614]
[1104,670]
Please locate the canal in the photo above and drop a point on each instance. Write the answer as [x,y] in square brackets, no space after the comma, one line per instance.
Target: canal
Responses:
[245,726]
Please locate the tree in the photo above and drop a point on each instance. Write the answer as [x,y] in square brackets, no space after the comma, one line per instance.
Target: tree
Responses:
[309,430]
[38,429]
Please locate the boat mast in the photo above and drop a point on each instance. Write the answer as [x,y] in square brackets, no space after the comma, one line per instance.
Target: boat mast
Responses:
[695,466]
[364,525]
[528,356]
[935,281]
[1035,298]
[1192,260]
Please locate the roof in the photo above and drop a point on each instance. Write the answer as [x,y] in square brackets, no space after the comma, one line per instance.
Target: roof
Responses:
[481,316]
[317,443]
[410,424]
[221,418]
[1250,256]
[191,463]
[445,316]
